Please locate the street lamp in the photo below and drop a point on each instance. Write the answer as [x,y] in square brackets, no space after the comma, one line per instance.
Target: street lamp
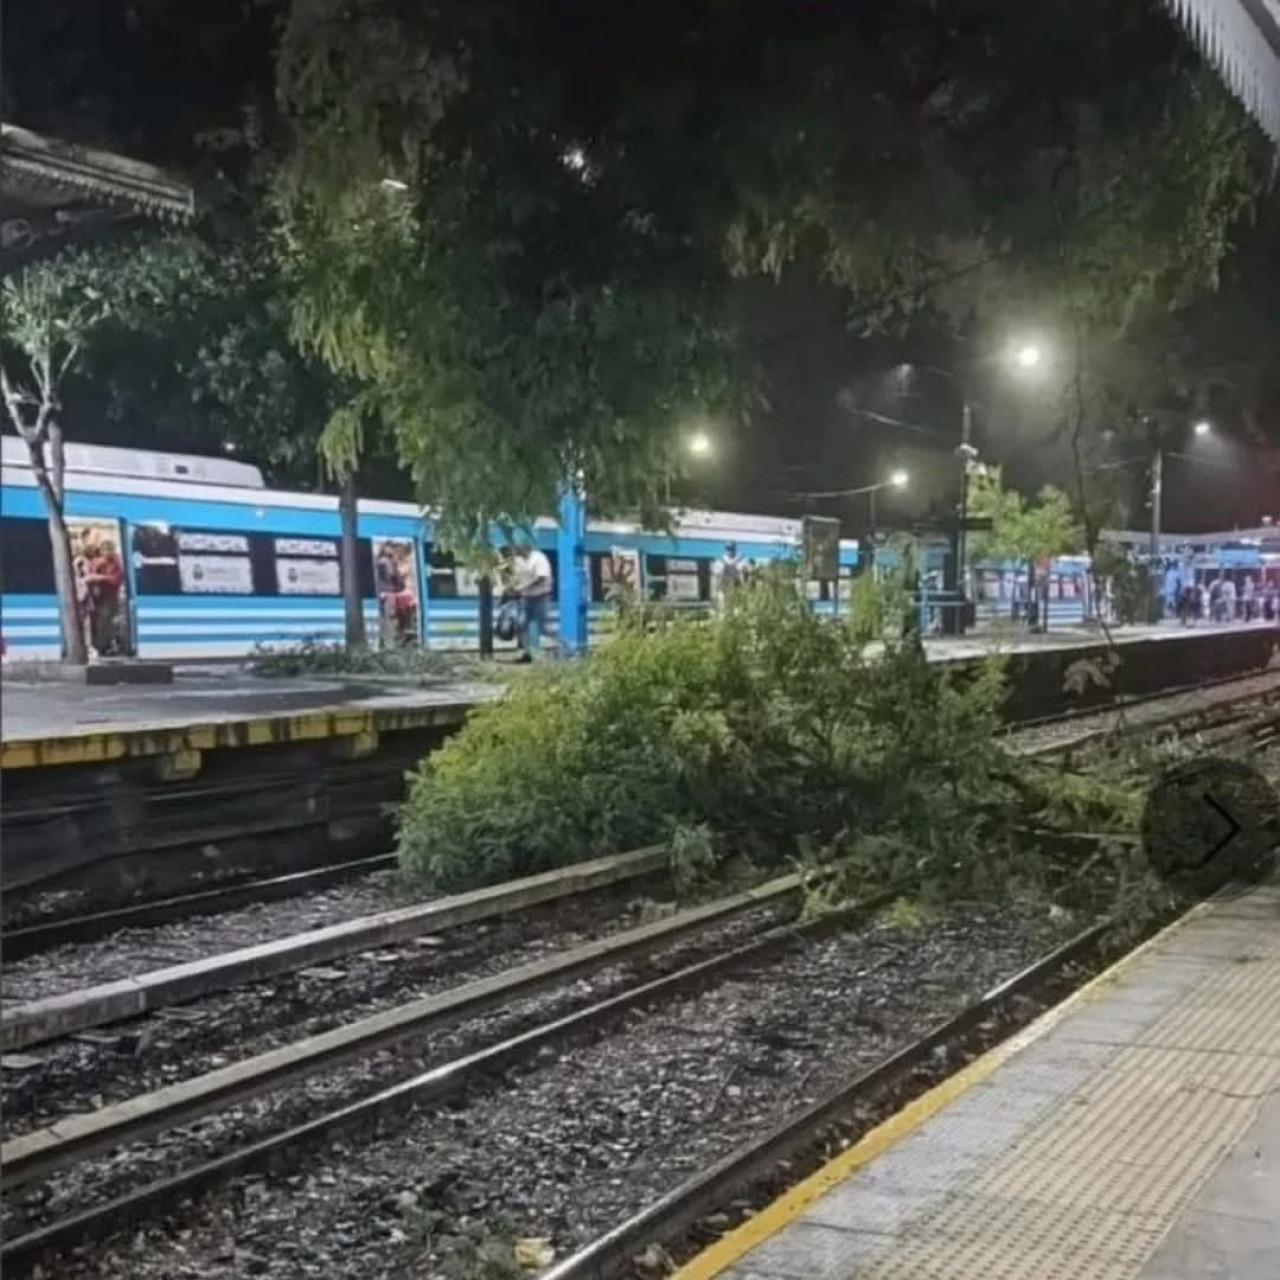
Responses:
[699,444]
[898,479]
[1201,428]
[1025,357]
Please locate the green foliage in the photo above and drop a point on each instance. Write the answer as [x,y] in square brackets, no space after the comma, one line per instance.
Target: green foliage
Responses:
[764,731]
[411,663]
[905,914]
[52,310]
[541,288]
[1130,583]
[693,857]
[1091,673]
[1022,530]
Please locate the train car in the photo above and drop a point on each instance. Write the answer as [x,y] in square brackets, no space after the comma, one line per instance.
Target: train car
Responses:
[675,566]
[214,563]
[1000,590]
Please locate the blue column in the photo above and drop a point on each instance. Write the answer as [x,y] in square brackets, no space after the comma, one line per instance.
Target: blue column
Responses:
[571,588]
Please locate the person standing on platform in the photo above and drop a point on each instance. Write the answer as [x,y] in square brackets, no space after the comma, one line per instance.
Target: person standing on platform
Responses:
[729,572]
[533,585]
[1228,600]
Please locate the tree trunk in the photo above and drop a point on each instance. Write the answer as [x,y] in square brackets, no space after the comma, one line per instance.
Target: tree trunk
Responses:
[352,600]
[74,649]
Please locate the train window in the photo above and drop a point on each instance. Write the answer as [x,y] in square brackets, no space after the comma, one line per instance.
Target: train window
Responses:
[598,573]
[155,560]
[364,568]
[444,576]
[26,557]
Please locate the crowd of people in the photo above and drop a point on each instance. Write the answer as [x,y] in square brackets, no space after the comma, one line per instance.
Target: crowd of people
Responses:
[1220,600]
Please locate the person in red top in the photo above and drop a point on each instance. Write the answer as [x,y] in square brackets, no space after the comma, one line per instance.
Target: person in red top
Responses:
[104,581]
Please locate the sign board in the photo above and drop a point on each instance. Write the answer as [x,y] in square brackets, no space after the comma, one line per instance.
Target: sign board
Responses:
[821,548]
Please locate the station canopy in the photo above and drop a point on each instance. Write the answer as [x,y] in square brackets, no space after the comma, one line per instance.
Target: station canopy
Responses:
[53,192]
[1241,39]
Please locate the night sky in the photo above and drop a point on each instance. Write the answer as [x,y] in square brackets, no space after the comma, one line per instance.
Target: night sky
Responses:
[145,77]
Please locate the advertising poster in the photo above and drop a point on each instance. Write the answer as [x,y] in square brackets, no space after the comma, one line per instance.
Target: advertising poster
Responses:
[682,580]
[214,575]
[620,572]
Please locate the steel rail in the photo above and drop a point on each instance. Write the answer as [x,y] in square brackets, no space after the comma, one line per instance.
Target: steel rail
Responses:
[449,1079]
[74,1137]
[35,1021]
[666,1218]
[44,934]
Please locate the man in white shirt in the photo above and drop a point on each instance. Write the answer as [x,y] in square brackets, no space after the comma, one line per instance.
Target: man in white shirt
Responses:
[533,585]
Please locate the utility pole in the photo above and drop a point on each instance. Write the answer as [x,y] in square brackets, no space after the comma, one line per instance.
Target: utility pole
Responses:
[956,576]
[1157,495]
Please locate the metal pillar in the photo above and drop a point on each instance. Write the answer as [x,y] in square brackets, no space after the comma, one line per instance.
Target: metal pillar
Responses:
[571,588]
[1157,505]
[486,615]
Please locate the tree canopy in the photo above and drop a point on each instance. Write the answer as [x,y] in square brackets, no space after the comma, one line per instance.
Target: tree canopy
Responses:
[519,225]
[1021,529]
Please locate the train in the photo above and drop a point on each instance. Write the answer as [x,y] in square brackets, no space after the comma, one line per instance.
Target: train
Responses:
[217,565]
[214,564]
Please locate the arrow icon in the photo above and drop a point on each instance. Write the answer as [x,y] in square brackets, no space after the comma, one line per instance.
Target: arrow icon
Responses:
[1231,822]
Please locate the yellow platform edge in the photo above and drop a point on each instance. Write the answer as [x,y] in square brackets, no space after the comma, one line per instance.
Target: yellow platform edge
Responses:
[104,747]
[791,1205]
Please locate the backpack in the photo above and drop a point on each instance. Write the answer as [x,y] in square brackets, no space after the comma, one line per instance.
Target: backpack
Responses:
[506,625]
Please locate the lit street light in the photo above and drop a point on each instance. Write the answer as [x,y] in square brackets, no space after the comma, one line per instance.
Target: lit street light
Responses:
[700,445]
[1159,429]
[898,479]
[1025,357]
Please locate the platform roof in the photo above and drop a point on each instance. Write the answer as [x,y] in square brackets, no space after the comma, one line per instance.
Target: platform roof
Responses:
[1241,39]
[52,191]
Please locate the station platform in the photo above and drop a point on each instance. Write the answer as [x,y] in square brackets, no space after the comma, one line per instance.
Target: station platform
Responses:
[47,722]
[1132,1133]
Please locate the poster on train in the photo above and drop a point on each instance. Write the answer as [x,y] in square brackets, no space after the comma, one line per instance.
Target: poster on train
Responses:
[215,575]
[307,567]
[620,573]
[306,577]
[682,580]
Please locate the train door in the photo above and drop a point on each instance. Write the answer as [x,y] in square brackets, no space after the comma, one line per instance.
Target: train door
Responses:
[395,576]
[102,585]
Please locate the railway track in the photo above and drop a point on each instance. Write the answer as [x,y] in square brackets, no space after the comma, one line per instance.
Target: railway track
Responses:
[759,1169]
[46,932]
[34,1022]
[1220,721]
[42,1154]
[76,1137]
[55,931]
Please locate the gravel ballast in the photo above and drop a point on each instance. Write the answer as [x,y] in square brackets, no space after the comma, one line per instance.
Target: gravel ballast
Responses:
[572,1143]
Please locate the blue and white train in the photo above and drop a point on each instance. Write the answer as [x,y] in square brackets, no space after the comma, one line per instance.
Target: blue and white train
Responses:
[217,565]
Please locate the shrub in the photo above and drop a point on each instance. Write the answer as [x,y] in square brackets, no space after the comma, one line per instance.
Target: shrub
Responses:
[765,731]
